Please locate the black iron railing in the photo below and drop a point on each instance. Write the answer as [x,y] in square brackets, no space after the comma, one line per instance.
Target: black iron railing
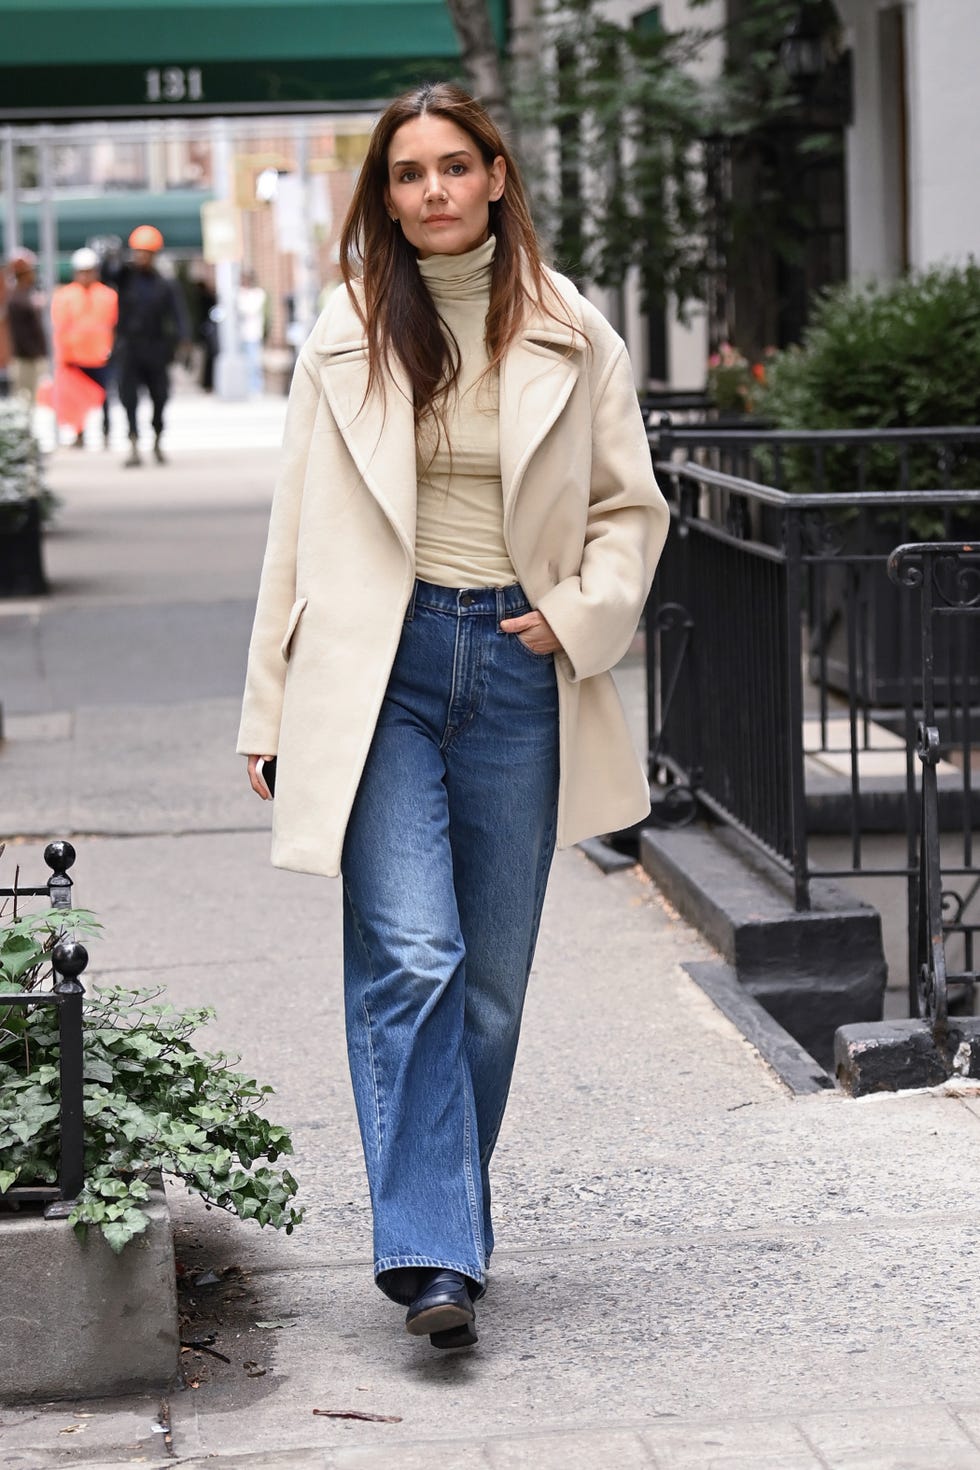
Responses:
[947,577]
[910,461]
[68,961]
[657,401]
[784,680]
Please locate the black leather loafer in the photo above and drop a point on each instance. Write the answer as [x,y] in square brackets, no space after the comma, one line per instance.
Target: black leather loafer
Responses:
[442,1304]
[455,1337]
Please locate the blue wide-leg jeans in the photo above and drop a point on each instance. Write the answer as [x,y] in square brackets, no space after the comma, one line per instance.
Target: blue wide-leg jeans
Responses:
[445,864]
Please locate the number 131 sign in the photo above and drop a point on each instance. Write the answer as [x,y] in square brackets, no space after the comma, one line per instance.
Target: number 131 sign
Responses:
[174,84]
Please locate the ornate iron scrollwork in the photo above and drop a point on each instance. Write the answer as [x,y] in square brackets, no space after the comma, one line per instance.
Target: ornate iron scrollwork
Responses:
[947,576]
[930,990]
[678,805]
[676,808]
[822,535]
[956,579]
[953,569]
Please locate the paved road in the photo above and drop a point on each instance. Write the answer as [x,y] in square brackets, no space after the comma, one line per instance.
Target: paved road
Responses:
[695,1269]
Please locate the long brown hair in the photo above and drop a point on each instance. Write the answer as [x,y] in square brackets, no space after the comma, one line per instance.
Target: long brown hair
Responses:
[398,314]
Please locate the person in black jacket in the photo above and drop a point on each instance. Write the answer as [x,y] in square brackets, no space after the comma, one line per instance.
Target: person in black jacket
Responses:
[152,323]
[28,344]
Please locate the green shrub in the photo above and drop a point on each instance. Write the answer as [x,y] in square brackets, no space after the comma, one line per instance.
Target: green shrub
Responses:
[904,355]
[21,472]
[152,1101]
[901,355]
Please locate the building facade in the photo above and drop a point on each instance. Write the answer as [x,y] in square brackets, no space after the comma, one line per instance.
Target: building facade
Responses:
[906,191]
[913,155]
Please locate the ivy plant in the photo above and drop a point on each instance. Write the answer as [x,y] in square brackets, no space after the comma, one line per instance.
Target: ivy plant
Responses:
[152,1100]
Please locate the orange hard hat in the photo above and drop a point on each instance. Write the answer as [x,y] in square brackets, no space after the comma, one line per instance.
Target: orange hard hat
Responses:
[146,237]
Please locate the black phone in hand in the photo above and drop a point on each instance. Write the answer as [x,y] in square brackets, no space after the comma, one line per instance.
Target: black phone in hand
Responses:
[269,775]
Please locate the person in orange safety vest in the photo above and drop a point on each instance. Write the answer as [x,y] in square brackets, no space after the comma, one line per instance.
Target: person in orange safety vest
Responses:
[83,322]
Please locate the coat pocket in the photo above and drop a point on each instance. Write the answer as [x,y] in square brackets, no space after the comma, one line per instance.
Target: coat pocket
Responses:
[295,613]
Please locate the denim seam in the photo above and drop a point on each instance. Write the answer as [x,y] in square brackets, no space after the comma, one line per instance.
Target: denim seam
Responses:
[449,730]
[539,658]
[544,869]
[396,1263]
[475,1221]
[370,1022]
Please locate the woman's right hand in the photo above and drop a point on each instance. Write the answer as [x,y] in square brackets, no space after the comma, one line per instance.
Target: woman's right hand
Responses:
[255,776]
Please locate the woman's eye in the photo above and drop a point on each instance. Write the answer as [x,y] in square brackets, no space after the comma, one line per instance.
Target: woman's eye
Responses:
[456,169]
[407,176]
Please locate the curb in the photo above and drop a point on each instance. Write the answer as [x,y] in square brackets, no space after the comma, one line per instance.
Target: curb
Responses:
[813,971]
[794,1066]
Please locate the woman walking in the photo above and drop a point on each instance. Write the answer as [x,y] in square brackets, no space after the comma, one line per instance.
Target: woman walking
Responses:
[462,539]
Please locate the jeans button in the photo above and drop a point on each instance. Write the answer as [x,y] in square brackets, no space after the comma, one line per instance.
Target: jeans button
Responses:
[466,600]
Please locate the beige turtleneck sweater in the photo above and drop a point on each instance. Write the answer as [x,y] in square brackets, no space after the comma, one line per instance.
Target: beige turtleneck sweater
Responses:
[459,536]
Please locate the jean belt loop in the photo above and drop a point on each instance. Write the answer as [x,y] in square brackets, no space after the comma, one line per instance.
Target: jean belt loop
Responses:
[410,610]
[501,605]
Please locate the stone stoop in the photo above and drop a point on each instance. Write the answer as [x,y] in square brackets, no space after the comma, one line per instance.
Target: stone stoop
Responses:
[80,1322]
[813,972]
[896,1056]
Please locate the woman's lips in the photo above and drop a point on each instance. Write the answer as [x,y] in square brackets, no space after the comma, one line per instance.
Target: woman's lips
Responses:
[440,219]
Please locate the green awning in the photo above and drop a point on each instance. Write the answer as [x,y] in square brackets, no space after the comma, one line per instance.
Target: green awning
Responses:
[190,32]
[177,214]
[62,58]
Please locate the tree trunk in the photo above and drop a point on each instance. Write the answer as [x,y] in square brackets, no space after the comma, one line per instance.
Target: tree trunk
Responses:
[471,21]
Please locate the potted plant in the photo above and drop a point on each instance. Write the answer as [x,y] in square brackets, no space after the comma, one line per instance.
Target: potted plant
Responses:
[24,502]
[733,383]
[153,1103]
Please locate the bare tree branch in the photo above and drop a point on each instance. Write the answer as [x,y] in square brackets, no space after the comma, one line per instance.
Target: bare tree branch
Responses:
[471,22]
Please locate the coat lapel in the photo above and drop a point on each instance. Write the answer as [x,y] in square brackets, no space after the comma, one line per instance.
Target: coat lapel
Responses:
[379,431]
[537,376]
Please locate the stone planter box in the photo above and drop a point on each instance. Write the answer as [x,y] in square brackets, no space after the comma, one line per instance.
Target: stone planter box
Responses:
[21,563]
[80,1322]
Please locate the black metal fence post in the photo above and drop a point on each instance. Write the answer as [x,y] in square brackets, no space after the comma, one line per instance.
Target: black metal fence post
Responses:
[59,856]
[69,959]
[793,542]
[918,566]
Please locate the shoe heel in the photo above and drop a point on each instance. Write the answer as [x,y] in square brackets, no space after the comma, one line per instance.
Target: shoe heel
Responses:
[455,1337]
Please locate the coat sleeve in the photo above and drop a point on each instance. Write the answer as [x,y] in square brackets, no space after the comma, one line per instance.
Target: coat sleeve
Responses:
[266,675]
[594,614]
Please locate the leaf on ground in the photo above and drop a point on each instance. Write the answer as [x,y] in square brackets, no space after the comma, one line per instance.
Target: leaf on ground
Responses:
[359,1414]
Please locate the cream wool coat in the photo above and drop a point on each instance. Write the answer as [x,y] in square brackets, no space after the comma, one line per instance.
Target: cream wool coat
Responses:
[584,525]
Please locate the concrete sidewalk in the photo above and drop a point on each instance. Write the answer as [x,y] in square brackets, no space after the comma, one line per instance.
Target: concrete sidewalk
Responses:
[694,1268]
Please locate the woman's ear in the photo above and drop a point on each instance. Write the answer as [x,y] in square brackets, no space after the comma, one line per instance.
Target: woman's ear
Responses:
[498,175]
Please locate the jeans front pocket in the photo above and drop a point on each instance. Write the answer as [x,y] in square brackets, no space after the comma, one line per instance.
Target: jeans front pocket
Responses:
[538,658]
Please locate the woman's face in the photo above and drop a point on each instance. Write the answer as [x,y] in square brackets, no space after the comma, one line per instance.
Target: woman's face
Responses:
[439,188]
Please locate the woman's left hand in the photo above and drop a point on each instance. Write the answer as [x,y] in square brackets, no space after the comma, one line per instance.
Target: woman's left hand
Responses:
[534,631]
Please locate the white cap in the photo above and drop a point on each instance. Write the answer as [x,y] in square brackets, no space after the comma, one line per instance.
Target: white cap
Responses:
[85,260]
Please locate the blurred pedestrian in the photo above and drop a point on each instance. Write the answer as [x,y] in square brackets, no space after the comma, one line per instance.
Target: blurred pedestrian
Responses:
[25,323]
[4,338]
[204,304]
[83,322]
[152,326]
[461,544]
[251,326]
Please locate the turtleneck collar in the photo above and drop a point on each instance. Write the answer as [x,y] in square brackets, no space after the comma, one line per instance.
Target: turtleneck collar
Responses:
[459,277]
